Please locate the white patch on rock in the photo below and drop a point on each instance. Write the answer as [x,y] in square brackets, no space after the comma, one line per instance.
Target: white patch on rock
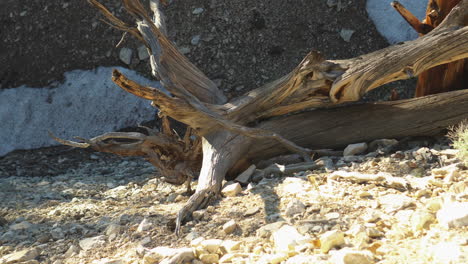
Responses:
[389,22]
[86,104]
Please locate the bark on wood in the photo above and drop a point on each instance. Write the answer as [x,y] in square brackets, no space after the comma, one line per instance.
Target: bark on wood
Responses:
[227,131]
[442,78]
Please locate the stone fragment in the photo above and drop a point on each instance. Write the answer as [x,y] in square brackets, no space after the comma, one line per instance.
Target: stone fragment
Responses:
[394,202]
[143,52]
[20,256]
[191,236]
[354,149]
[92,242]
[266,230]
[184,50]
[125,55]
[294,207]
[346,34]
[232,189]
[211,245]
[229,246]
[196,241]
[198,11]
[113,230]
[71,251]
[251,211]
[21,226]
[421,220]
[382,144]
[453,214]
[330,240]
[447,252]
[244,177]
[348,256]
[273,258]
[155,255]
[230,226]
[195,40]
[287,238]
[198,214]
[144,225]
[332,215]
[209,258]
[373,232]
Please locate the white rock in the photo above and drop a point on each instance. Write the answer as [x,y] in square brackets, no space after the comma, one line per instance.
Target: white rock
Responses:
[198,11]
[196,242]
[232,189]
[453,215]
[125,55]
[287,238]
[273,258]
[421,220]
[330,240]
[155,255]
[143,52]
[198,214]
[209,258]
[195,40]
[348,256]
[144,225]
[71,251]
[394,202]
[294,207]
[244,177]
[92,242]
[266,230]
[21,226]
[346,34]
[389,22]
[354,149]
[113,229]
[211,245]
[87,104]
[230,226]
[229,246]
[20,256]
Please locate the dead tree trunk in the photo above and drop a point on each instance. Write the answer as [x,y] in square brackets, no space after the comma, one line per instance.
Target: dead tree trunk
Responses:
[225,130]
[442,78]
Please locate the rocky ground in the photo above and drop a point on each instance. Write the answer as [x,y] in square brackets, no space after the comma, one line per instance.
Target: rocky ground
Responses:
[403,203]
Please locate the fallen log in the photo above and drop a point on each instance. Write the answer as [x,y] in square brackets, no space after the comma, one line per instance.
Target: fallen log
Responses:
[266,121]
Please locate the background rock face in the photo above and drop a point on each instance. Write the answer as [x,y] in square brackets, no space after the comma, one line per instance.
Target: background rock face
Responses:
[86,104]
[389,23]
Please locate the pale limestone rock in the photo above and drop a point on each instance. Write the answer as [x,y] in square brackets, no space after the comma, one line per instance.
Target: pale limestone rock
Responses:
[144,225]
[273,258]
[198,214]
[92,242]
[421,220]
[453,214]
[211,245]
[230,226]
[266,230]
[229,246]
[113,230]
[395,202]
[232,189]
[72,250]
[157,254]
[244,177]
[20,256]
[143,53]
[196,242]
[346,34]
[373,232]
[294,207]
[21,226]
[209,258]
[348,256]
[354,149]
[287,238]
[330,240]
[125,55]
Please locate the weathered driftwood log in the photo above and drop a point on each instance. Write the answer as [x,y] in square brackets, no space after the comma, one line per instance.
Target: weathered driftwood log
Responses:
[228,129]
[446,77]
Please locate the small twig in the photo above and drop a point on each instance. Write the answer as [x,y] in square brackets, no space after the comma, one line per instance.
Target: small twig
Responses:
[124,35]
